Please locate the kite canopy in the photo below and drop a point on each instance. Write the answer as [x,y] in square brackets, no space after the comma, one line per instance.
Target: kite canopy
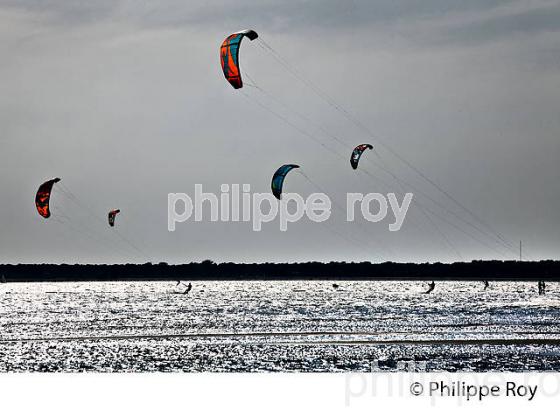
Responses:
[357,153]
[278,179]
[43,197]
[111,216]
[229,56]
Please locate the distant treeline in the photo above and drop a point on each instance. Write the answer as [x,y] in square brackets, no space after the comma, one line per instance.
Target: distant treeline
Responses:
[476,270]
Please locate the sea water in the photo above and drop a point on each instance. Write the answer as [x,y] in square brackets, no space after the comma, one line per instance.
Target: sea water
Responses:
[262,326]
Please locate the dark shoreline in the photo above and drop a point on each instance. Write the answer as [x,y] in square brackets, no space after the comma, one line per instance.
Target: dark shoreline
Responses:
[548,270]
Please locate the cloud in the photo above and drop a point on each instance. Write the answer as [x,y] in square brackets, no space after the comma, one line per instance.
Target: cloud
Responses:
[506,16]
[427,23]
[117,96]
[65,12]
[513,20]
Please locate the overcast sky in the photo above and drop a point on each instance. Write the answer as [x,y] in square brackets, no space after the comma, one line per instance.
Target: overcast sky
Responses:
[126,102]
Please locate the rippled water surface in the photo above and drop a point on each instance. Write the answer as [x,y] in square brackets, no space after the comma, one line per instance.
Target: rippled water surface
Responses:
[278,326]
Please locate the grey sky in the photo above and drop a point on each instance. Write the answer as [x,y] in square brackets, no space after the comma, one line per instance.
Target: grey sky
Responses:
[126,102]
